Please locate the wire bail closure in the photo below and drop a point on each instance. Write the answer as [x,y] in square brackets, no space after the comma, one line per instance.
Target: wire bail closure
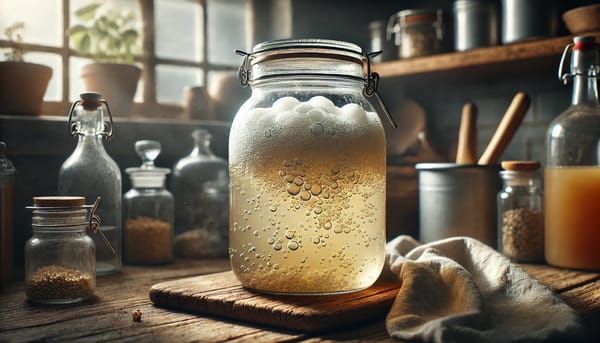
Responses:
[371,81]
[94,224]
[107,131]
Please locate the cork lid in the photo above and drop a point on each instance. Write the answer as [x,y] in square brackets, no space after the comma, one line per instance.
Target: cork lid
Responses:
[58,201]
[520,165]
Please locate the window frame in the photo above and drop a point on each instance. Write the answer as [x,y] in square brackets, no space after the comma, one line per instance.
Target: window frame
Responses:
[149,107]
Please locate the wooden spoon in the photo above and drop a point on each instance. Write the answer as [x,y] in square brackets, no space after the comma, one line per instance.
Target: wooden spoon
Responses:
[467,135]
[506,129]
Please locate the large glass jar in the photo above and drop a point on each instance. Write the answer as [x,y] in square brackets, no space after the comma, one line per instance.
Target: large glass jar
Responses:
[90,172]
[148,210]
[7,185]
[572,174]
[60,261]
[307,163]
[200,186]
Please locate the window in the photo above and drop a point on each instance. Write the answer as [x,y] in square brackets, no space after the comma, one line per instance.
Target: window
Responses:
[193,40]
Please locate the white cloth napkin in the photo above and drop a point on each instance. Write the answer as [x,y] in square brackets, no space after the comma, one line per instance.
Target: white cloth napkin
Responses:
[461,290]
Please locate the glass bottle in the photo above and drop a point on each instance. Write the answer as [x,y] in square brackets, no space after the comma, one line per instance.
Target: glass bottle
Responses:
[201,206]
[148,216]
[91,172]
[60,256]
[572,174]
[7,185]
[521,212]
[307,164]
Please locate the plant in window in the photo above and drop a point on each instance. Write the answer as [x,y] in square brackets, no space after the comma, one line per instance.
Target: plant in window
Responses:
[14,37]
[107,35]
[22,84]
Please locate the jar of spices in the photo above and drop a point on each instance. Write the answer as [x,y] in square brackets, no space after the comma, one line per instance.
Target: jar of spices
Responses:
[148,215]
[417,32]
[60,257]
[307,165]
[521,212]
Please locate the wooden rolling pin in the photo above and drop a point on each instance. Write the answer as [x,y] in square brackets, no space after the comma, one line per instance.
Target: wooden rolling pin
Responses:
[467,135]
[506,129]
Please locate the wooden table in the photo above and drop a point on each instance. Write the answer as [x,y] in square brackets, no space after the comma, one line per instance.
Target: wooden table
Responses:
[108,317]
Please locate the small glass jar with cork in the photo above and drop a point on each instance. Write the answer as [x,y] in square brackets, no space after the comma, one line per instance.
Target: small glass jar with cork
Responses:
[60,257]
[521,212]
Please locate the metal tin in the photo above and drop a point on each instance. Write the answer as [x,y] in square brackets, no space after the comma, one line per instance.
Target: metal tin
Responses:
[475,24]
[458,200]
[528,19]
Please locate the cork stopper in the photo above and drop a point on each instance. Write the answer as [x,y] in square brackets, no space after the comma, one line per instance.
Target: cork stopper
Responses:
[58,201]
[520,165]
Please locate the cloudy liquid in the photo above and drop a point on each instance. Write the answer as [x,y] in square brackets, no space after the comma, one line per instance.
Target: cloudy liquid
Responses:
[307,208]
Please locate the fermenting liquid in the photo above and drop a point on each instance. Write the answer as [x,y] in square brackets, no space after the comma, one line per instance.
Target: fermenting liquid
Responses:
[572,217]
[308,197]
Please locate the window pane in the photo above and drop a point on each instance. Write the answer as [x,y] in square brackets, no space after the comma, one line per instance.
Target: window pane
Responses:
[43,20]
[178,32]
[171,81]
[225,21]
[54,91]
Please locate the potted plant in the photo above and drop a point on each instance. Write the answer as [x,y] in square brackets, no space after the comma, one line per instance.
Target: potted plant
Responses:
[22,84]
[110,39]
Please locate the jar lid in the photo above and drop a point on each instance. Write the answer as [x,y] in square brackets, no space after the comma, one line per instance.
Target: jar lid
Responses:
[520,165]
[58,201]
[147,175]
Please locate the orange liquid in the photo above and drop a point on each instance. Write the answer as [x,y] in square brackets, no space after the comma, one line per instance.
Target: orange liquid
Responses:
[572,197]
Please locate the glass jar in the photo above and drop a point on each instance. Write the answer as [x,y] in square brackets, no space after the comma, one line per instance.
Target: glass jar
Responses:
[200,186]
[148,210]
[521,212]
[7,185]
[417,32]
[90,172]
[307,163]
[572,173]
[60,261]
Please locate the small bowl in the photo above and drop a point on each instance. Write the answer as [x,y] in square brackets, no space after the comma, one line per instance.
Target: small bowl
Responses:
[583,19]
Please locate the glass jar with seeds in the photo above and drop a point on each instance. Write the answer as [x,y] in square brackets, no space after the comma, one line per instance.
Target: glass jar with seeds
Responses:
[149,207]
[520,212]
[60,257]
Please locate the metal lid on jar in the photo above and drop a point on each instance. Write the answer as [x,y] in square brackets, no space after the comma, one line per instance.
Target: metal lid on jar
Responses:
[521,165]
[58,201]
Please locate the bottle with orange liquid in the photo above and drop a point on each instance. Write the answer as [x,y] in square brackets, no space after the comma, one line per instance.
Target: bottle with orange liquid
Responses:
[572,174]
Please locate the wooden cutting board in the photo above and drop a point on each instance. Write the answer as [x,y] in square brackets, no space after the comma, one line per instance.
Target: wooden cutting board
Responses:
[222,295]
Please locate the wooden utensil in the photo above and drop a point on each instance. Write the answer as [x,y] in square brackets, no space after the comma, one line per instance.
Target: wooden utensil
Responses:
[506,129]
[467,135]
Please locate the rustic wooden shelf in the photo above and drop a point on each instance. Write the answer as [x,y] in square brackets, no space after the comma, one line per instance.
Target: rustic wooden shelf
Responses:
[531,56]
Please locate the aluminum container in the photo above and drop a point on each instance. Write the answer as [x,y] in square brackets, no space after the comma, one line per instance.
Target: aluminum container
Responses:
[458,200]
[475,24]
[528,19]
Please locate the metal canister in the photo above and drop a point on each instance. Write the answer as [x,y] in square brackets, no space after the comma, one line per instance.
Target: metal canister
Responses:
[458,200]
[528,19]
[475,24]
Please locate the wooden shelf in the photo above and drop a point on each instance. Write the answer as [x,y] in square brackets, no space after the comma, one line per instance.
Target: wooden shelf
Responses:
[531,56]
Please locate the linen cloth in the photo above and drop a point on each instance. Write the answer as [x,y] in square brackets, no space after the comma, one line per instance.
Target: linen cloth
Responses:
[461,290]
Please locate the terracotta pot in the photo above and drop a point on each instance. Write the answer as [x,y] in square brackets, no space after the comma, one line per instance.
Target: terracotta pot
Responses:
[22,87]
[116,83]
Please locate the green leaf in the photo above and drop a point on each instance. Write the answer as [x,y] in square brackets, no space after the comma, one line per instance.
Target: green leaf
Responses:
[129,36]
[77,29]
[85,43]
[87,12]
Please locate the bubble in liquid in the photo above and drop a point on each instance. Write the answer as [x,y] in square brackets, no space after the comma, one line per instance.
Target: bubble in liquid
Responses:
[256,233]
[298,180]
[271,240]
[320,101]
[317,129]
[354,113]
[273,209]
[305,195]
[289,178]
[315,115]
[337,229]
[307,186]
[293,188]
[335,169]
[316,240]
[289,234]
[285,104]
[327,225]
[293,245]
[277,246]
[315,189]
[318,210]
